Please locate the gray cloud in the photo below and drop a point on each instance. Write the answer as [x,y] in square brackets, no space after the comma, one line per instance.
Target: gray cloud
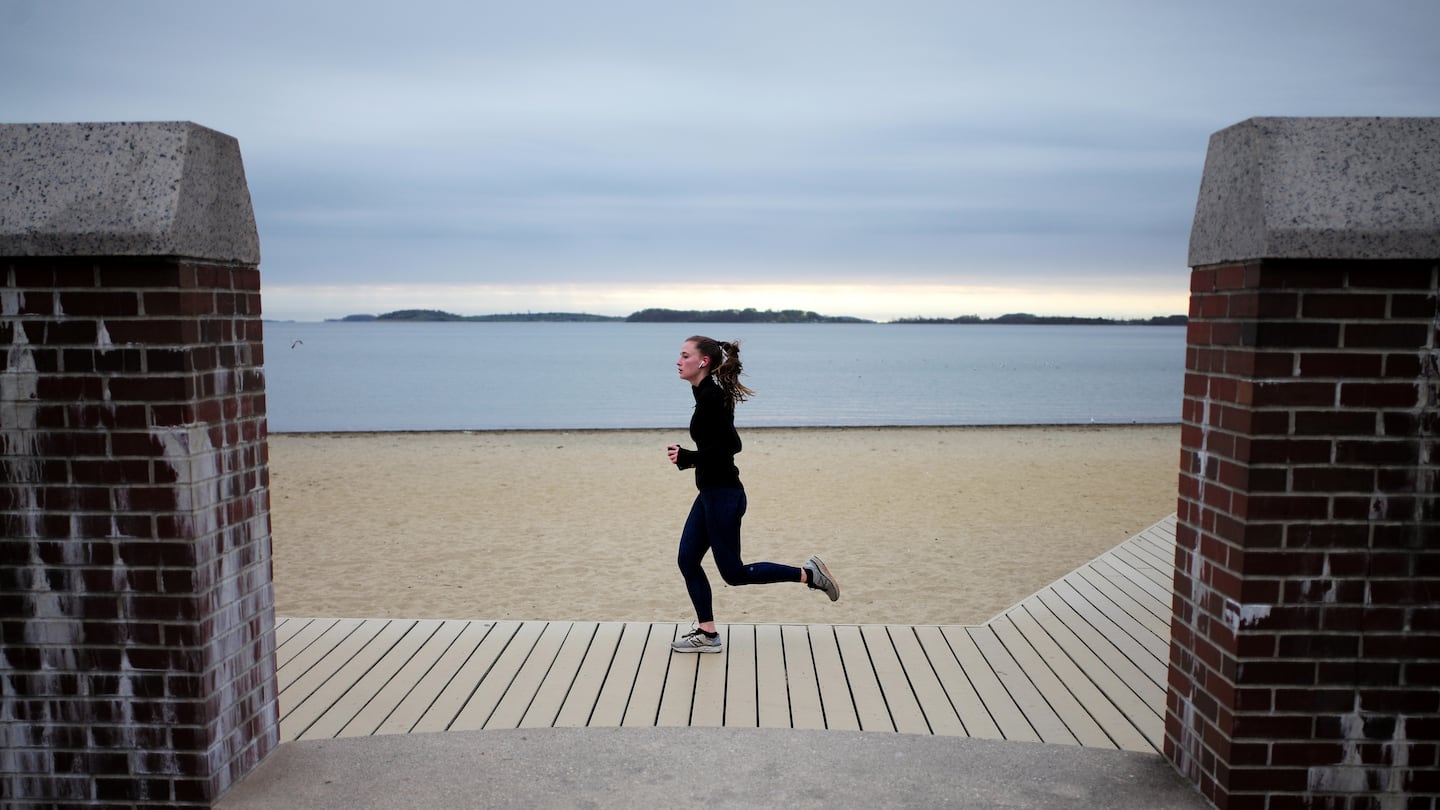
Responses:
[547,141]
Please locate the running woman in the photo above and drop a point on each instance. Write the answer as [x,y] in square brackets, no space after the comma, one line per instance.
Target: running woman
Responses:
[713,370]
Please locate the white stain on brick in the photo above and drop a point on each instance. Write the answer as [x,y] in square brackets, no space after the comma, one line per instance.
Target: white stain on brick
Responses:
[191,456]
[11,299]
[1188,748]
[120,504]
[1239,616]
[1202,461]
[19,385]
[50,624]
[1427,402]
[1321,590]
[1351,775]
[199,472]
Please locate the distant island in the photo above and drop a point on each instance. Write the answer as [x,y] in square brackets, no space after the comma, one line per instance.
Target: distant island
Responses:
[751,316]
[736,316]
[643,316]
[435,315]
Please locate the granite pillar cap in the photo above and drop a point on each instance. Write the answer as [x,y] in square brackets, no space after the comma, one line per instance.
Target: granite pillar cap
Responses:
[1320,188]
[124,189]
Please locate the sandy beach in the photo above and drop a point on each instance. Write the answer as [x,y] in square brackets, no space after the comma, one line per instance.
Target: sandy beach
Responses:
[920,525]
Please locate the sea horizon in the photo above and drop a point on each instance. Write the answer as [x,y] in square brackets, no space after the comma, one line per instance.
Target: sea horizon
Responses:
[335,377]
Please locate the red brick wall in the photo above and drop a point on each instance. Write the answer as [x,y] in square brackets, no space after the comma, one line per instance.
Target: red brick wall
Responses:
[135,581]
[1305,660]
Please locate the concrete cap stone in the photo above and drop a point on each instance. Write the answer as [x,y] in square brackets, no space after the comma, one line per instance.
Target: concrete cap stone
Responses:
[124,189]
[1320,188]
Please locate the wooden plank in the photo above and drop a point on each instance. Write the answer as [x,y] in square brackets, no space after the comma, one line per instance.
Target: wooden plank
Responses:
[432,670]
[707,706]
[496,682]
[322,659]
[363,691]
[1153,638]
[1124,568]
[285,628]
[530,678]
[1008,717]
[526,685]
[683,689]
[1163,579]
[306,633]
[1155,546]
[865,687]
[1161,535]
[1125,684]
[1103,695]
[772,690]
[305,714]
[803,685]
[975,718]
[620,677]
[1139,644]
[315,651]
[416,661]
[894,681]
[1144,590]
[1059,699]
[1137,601]
[1093,645]
[1103,649]
[584,695]
[836,701]
[1118,601]
[555,688]
[452,698]
[644,706]
[1037,710]
[741,708]
[934,702]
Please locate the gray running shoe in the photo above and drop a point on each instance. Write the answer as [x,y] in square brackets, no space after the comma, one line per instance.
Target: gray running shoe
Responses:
[820,578]
[696,641]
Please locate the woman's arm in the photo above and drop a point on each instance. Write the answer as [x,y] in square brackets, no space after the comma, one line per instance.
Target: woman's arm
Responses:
[713,429]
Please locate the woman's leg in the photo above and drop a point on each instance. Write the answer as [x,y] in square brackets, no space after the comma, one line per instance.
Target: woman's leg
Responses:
[694,542]
[724,509]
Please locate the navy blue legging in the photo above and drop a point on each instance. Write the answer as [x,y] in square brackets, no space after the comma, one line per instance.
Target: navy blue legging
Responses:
[714,526]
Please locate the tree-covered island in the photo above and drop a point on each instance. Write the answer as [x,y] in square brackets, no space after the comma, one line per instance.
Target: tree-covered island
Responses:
[750,316]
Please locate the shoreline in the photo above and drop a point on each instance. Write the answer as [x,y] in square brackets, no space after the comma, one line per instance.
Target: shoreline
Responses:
[921,525]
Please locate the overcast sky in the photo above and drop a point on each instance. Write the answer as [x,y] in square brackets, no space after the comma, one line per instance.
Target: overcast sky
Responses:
[880,159]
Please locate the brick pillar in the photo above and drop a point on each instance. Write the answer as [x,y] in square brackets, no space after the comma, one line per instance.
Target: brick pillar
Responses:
[1305,659]
[135,592]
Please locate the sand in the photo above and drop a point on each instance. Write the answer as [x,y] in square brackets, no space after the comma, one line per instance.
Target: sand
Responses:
[920,525]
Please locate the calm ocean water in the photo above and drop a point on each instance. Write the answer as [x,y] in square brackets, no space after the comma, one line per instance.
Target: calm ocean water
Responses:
[499,376]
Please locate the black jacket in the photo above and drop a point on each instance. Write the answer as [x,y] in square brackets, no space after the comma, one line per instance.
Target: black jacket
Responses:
[712,427]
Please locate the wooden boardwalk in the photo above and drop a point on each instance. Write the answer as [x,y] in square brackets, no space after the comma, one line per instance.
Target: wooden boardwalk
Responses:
[1082,662]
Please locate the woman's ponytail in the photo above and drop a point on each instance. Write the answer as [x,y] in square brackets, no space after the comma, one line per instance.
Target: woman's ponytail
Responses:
[725,367]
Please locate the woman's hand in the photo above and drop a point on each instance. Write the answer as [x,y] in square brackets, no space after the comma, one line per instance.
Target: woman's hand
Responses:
[673,451]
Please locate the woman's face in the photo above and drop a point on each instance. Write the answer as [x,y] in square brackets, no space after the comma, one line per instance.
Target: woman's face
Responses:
[692,365]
